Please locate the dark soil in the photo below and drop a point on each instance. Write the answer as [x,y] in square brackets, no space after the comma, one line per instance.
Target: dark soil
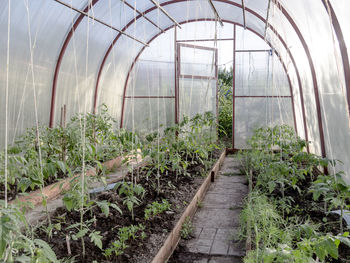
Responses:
[178,192]
[309,210]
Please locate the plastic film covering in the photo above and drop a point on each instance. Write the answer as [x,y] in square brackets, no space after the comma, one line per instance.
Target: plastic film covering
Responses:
[292,72]
[250,116]
[190,10]
[262,94]
[196,62]
[341,9]
[114,75]
[146,115]
[252,77]
[77,77]
[341,137]
[153,78]
[248,40]
[197,96]
[34,46]
[324,50]
[278,20]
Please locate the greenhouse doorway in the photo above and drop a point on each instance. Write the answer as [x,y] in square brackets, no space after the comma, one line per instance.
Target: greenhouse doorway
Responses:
[196,80]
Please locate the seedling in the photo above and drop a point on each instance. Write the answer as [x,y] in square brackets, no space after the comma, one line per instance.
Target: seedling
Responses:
[131,194]
[156,209]
[187,228]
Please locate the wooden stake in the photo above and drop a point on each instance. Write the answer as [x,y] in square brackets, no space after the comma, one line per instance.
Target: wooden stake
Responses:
[68,245]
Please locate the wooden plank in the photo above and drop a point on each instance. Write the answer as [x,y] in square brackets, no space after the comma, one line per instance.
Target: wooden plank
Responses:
[54,190]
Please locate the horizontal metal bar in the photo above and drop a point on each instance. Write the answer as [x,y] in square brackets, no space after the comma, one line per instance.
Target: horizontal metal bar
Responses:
[100,21]
[263,96]
[143,15]
[254,50]
[165,12]
[150,97]
[197,77]
[202,40]
[197,47]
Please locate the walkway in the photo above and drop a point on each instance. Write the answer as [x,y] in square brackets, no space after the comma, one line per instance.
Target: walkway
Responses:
[216,223]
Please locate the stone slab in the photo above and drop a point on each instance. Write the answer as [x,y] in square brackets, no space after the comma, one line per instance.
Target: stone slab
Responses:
[219,247]
[197,231]
[201,246]
[231,179]
[227,234]
[226,259]
[217,218]
[216,200]
[208,233]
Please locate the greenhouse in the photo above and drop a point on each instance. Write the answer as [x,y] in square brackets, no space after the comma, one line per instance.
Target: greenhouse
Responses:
[175,131]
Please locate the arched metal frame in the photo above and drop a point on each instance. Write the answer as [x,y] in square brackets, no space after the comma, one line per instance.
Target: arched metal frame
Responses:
[237,5]
[335,23]
[313,74]
[200,20]
[342,47]
[60,58]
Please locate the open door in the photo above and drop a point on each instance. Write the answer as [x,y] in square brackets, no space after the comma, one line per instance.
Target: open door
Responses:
[196,80]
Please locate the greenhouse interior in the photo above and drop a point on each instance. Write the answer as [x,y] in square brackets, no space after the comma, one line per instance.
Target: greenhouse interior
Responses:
[175,131]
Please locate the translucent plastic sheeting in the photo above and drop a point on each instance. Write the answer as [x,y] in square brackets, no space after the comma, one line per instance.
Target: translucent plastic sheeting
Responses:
[260,74]
[77,77]
[153,78]
[34,46]
[204,30]
[225,51]
[253,72]
[229,12]
[248,40]
[259,6]
[196,61]
[277,19]
[147,115]
[114,75]
[113,12]
[293,76]
[190,10]
[197,96]
[324,50]
[252,113]
[341,9]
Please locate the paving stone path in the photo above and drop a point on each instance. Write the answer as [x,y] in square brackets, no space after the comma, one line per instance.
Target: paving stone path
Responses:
[216,223]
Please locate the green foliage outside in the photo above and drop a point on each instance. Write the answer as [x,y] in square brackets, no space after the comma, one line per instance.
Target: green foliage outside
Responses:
[225,103]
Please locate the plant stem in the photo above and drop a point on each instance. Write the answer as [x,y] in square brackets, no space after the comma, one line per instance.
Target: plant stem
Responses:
[341,216]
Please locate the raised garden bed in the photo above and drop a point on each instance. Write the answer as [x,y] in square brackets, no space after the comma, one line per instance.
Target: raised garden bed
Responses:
[180,193]
[287,215]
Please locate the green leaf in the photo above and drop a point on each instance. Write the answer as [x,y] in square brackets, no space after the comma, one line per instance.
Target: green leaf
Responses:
[117,208]
[82,233]
[23,259]
[272,186]
[332,248]
[68,202]
[62,166]
[104,207]
[96,238]
[48,252]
